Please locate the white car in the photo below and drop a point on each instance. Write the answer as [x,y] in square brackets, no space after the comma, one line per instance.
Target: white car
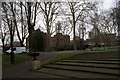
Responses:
[17,50]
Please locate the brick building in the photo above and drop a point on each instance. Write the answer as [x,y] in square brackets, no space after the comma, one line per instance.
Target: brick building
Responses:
[57,41]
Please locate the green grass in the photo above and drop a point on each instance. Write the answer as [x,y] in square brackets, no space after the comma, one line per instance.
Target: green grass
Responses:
[18,59]
[60,57]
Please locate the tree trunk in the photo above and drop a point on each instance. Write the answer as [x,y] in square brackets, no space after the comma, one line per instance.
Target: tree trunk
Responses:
[74,37]
[29,25]
[21,43]
[12,57]
[57,43]
[48,41]
[15,23]
[3,50]
[74,40]
[48,34]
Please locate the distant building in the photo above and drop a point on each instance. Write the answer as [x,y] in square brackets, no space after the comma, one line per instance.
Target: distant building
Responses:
[80,43]
[102,39]
[59,41]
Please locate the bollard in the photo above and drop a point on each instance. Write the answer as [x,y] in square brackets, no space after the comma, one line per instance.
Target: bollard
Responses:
[35,64]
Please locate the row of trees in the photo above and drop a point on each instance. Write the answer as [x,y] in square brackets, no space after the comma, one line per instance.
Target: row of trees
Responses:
[20,18]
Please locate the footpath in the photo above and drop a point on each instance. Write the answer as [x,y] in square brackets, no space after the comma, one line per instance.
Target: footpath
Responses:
[23,70]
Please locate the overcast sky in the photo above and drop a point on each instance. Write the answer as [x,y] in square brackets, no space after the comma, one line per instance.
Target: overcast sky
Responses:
[106,5]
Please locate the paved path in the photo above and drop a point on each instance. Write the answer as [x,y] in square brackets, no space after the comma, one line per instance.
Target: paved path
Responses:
[22,70]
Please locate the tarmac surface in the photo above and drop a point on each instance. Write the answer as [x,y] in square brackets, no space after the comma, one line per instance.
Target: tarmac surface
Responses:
[23,70]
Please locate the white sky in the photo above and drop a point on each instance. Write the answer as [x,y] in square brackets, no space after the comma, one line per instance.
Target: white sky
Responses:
[106,5]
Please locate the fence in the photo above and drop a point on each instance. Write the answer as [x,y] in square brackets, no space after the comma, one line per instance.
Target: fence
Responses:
[105,48]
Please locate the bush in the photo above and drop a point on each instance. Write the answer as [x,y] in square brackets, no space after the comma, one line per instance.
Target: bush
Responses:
[69,47]
[60,49]
[37,39]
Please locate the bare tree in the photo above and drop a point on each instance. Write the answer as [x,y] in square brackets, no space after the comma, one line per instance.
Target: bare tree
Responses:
[66,29]
[117,16]
[18,16]
[107,24]
[9,20]
[81,31]
[23,22]
[3,33]
[103,25]
[77,9]
[49,10]
[31,13]
[19,20]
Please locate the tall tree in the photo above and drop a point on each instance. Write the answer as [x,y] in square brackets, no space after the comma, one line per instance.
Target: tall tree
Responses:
[49,10]
[3,33]
[7,6]
[31,19]
[77,9]
[19,20]
[103,25]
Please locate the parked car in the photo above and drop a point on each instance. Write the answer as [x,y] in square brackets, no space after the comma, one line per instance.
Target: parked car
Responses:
[17,50]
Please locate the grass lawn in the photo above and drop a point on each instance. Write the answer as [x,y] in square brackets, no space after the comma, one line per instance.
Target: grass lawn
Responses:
[18,59]
[60,57]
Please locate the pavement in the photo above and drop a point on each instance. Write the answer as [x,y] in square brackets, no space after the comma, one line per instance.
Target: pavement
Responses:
[23,70]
